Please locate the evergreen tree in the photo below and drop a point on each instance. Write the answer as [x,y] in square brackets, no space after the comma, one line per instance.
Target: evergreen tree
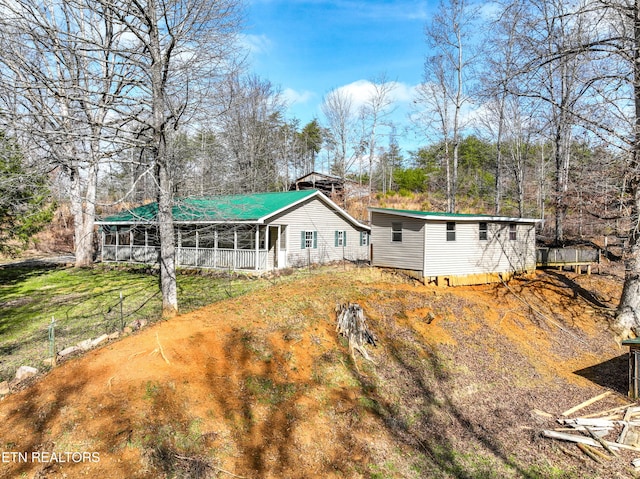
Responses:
[24,199]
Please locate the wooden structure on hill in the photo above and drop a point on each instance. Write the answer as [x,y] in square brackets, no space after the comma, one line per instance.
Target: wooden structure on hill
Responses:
[330,185]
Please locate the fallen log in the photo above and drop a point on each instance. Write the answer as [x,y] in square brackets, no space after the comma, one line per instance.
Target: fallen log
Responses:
[603,431]
[541,413]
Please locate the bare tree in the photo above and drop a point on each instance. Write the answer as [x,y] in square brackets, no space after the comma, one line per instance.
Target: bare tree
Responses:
[559,83]
[610,41]
[339,113]
[251,129]
[374,111]
[445,89]
[180,48]
[500,53]
[62,90]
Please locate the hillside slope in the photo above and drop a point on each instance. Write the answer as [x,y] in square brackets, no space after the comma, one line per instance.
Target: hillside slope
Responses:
[260,386]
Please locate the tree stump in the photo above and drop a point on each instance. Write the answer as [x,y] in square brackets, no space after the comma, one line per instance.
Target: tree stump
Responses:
[352,324]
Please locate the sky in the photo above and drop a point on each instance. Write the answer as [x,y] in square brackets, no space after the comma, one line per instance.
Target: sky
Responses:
[309,47]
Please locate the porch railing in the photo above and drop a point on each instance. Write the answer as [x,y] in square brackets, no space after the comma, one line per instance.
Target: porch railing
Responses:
[195,257]
[566,256]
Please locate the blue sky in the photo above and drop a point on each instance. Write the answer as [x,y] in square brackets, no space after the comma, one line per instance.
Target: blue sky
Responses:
[310,47]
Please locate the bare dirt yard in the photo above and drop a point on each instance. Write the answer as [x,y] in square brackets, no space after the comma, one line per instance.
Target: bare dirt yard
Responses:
[260,386]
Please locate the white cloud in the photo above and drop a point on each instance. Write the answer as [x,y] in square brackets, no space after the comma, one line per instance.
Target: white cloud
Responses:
[362,91]
[489,11]
[256,43]
[294,97]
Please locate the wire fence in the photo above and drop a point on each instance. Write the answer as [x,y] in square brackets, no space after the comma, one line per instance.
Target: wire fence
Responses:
[42,348]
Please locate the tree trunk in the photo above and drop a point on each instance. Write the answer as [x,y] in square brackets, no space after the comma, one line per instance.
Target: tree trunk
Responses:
[628,315]
[498,168]
[448,174]
[560,188]
[454,174]
[75,200]
[168,284]
[84,243]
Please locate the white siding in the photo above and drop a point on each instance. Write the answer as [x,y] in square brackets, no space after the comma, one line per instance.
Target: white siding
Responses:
[425,248]
[314,215]
[469,255]
[407,254]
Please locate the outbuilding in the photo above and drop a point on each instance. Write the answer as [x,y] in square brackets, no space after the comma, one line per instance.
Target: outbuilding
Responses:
[260,232]
[452,249]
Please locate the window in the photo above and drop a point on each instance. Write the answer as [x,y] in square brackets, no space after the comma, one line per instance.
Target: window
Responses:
[482,234]
[283,237]
[308,239]
[341,238]
[513,231]
[364,238]
[451,231]
[396,232]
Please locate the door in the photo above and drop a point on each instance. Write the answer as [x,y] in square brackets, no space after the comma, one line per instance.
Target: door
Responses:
[274,246]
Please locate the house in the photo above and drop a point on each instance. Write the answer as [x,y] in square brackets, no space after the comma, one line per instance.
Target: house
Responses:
[258,232]
[452,248]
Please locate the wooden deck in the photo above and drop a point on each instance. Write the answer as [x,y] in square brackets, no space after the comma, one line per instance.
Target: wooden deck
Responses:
[576,258]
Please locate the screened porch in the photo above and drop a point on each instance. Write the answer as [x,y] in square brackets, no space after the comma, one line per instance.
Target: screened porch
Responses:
[223,246]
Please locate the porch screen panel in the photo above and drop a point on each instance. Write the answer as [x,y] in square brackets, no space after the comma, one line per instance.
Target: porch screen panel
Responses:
[139,236]
[225,237]
[153,237]
[207,237]
[109,235]
[246,237]
[187,237]
[124,236]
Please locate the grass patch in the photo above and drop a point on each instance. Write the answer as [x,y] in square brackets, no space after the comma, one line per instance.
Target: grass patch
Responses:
[266,391]
[178,451]
[85,303]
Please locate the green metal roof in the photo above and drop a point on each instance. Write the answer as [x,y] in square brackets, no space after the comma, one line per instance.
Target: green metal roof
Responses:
[246,208]
[432,213]
[451,216]
[632,341]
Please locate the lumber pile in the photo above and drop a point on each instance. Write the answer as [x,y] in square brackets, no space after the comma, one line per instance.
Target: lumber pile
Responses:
[599,436]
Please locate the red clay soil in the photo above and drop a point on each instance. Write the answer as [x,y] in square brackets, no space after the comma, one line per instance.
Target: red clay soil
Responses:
[260,386]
